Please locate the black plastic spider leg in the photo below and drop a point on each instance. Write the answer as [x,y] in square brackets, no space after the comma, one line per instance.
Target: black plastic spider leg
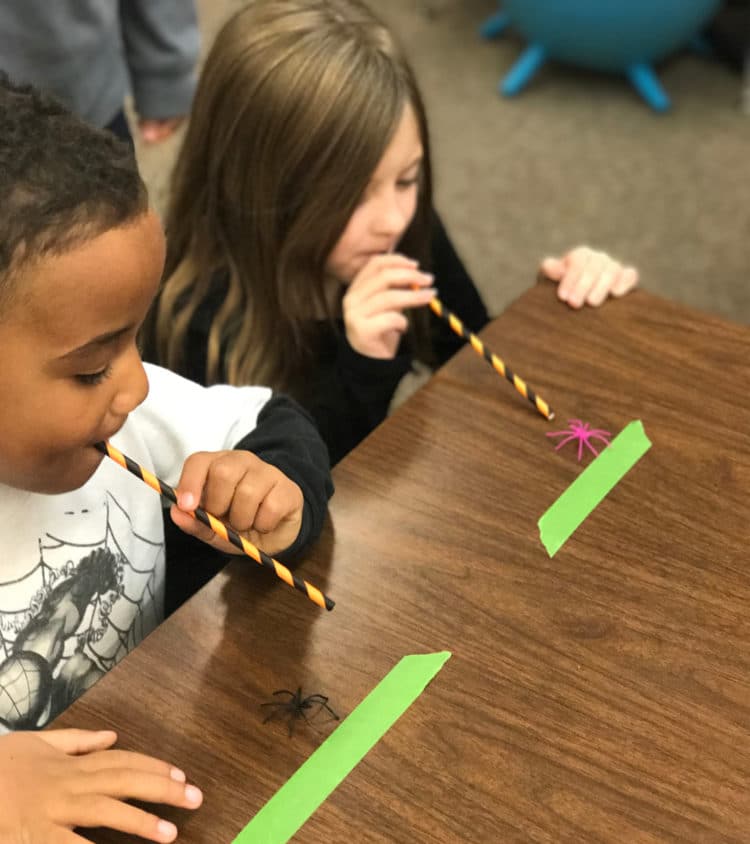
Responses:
[286,692]
[278,708]
[323,701]
[332,713]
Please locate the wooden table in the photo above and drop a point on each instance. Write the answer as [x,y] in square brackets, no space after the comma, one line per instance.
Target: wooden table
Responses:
[602,695]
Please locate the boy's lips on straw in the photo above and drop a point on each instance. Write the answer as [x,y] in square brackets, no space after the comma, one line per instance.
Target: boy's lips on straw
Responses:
[106,437]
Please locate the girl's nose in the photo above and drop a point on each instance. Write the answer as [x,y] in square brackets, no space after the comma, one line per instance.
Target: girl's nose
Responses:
[392,217]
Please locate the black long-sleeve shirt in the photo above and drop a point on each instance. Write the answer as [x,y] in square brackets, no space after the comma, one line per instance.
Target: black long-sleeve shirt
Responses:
[348,394]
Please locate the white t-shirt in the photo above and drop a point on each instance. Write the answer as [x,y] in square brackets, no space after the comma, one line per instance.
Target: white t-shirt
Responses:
[82,573]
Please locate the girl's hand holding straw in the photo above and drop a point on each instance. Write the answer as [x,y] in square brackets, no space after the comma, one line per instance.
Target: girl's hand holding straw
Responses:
[375,302]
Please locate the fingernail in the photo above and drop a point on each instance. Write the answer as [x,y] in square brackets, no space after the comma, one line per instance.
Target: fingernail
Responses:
[167,830]
[428,276]
[193,794]
[187,501]
[177,775]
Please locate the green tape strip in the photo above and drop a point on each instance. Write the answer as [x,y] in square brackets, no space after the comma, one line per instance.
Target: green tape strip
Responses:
[306,789]
[591,486]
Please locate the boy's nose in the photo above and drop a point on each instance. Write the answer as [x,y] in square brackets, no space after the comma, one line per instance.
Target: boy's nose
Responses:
[133,384]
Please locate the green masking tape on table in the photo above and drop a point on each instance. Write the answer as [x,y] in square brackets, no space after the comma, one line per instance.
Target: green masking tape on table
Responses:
[306,789]
[591,486]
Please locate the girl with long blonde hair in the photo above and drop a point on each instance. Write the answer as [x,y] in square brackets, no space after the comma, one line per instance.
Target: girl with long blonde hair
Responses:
[301,236]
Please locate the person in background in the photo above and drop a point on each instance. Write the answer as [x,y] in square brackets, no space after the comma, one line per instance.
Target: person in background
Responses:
[92,53]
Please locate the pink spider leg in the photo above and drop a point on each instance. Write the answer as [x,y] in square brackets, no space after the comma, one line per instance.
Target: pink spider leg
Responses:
[566,433]
[602,439]
[569,438]
[590,447]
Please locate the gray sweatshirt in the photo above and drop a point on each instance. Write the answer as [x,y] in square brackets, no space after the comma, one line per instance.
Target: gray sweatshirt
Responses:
[91,53]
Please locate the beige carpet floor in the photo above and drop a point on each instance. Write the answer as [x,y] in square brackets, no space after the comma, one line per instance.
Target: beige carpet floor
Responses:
[576,158]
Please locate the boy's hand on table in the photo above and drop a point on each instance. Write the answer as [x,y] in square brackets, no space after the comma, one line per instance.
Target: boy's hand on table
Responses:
[52,782]
[254,497]
[587,277]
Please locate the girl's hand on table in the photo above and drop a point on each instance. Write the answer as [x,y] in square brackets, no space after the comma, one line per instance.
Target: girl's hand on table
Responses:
[588,277]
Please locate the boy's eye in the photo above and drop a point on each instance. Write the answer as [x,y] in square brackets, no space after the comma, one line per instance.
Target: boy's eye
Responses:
[91,379]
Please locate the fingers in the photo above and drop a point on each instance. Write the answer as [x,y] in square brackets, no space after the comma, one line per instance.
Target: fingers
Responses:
[626,282]
[253,496]
[375,301]
[614,279]
[66,783]
[389,260]
[189,524]
[404,278]
[128,783]
[553,268]
[225,473]
[397,300]
[191,494]
[193,478]
[78,742]
[128,760]
[262,501]
[232,485]
[584,269]
[590,276]
[97,795]
[602,285]
[114,814]
[388,322]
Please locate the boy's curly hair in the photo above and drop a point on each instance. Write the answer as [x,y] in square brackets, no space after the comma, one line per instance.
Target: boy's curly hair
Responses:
[62,181]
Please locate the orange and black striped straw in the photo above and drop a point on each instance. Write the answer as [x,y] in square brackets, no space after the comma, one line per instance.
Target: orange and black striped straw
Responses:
[495,362]
[220,528]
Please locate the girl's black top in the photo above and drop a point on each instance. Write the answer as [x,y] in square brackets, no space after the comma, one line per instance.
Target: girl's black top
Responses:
[348,394]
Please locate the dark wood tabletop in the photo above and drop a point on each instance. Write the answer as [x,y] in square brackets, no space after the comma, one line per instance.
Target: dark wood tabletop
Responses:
[601,695]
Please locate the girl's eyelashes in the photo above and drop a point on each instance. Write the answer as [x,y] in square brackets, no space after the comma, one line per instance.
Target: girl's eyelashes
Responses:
[91,379]
[404,184]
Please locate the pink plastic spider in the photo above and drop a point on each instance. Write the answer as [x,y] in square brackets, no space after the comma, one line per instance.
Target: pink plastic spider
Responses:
[583,433]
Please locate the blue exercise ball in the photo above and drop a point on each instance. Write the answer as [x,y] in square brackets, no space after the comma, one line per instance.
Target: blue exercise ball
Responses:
[610,34]
[624,36]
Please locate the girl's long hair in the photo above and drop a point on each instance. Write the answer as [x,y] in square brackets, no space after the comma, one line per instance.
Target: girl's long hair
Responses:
[296,105]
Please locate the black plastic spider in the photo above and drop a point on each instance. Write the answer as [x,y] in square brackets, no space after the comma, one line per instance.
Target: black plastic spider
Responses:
[296,707]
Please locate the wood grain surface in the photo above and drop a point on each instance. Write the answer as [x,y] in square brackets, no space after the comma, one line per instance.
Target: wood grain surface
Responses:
[599,696]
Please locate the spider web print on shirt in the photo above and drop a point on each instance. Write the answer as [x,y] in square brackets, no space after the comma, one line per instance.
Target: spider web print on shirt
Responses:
[88,605]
